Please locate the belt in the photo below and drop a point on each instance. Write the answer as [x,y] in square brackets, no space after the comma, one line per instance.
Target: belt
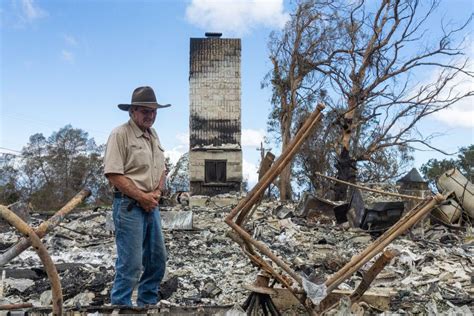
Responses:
[120,195]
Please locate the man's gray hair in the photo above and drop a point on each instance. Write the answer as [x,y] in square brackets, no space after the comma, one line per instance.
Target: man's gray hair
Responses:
[130,109]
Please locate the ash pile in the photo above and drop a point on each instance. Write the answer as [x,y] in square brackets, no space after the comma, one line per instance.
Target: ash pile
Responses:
[204,266]
[432,272]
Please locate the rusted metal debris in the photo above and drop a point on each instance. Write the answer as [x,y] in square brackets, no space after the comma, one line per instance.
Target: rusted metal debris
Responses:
[259,298]
[45,227]
[372,273]
[35,241]
[315,292]
[367,279]
[265,165]
[405,196]
[407,221]
[9,307]
[161,309]
[374,217]
[255,194]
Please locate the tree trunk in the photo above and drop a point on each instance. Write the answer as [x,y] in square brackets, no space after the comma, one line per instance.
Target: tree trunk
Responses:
[346,165]
[284,185]
[346,171]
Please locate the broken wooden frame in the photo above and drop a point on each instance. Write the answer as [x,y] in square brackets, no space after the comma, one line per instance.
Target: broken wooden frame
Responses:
[330,301]
[245,240]
[245,205]
[33,238]
[45,227]
[49,266]
[9,307]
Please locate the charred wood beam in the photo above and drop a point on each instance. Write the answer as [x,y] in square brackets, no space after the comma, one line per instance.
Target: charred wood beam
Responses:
[51,271]
[331,302]
[372,273]
[405,223]
[45,227]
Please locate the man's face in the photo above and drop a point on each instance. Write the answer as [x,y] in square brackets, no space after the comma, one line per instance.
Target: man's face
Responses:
[143,116]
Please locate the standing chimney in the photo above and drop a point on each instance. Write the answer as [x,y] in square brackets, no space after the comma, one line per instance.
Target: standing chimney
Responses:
[215,155]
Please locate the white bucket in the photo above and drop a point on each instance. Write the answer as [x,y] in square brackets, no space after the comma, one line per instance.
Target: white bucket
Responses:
[453,180]
[449,211]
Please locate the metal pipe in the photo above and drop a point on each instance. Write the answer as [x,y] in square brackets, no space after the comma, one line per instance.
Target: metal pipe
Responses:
[265,165]
[49,266]
[45,227]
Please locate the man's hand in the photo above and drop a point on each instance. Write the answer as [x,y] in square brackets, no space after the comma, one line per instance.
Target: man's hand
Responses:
[148,201]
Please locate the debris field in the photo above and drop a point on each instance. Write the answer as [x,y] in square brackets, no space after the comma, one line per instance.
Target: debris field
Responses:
[432,271]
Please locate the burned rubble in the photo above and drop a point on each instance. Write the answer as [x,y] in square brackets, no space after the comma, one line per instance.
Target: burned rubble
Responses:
[433,272]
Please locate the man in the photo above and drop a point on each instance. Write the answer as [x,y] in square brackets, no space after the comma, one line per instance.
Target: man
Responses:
[135,167]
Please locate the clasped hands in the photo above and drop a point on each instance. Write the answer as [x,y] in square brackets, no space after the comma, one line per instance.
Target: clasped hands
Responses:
[148,201]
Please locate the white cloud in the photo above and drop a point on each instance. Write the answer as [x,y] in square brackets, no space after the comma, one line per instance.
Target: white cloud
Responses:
[182,147]
[70,40]
[67,56]
[183,138]
[175,153]
[30,11]
[236,16]
[252,137]
[249,171]
[461,114]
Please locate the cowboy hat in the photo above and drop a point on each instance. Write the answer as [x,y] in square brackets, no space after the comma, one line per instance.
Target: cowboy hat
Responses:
[143,96]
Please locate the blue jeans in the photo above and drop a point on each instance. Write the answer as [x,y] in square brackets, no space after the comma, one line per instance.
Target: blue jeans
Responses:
[141,254]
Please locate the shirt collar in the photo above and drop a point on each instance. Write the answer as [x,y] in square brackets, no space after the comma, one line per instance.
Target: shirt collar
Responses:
[138,132]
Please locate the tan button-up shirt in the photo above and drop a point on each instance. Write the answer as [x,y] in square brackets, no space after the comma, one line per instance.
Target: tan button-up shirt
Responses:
[130,153]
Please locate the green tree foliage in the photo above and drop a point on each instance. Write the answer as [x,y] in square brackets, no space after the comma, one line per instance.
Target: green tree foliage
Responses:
[464,163]
[9,186]
[54,169]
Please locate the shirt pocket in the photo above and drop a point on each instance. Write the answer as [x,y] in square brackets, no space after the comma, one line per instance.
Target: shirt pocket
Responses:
[139,158]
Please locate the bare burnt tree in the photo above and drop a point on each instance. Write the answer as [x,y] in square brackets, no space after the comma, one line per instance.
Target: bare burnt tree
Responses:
[292,77]
[368,72]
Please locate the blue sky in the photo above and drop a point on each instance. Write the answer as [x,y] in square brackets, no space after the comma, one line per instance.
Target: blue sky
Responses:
[72,62]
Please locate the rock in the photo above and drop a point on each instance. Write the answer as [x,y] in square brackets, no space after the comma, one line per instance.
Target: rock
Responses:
[19,284]
[210,290]
[81,299]
[46,298]
[169,287]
